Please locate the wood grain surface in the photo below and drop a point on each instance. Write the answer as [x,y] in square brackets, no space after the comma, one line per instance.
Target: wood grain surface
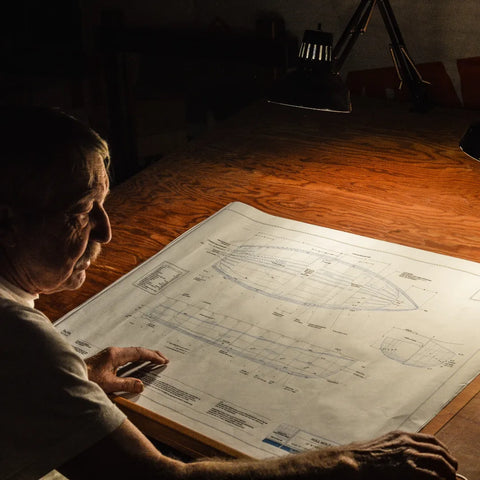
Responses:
[382,172]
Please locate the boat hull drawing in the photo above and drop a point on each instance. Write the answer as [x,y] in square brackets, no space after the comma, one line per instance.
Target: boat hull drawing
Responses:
[245,340]
[310,279]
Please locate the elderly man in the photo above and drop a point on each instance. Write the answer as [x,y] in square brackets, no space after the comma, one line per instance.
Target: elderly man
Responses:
[55,412]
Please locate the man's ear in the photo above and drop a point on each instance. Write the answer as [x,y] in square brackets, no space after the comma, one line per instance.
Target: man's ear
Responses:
[7,226]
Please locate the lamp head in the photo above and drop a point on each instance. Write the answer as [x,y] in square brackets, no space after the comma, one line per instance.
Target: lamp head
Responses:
[470,142]
[314,84]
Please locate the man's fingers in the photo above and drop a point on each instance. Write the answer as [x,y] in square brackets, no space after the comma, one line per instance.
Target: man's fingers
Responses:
[416,456]
[130,385]
[121,356]
[432,466]
[429,456]
[104,366]
[426,438]
[434,447]
[117,384]
[420,442]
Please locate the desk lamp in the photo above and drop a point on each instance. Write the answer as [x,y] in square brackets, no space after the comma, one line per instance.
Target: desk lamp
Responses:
[316,83]
[470,142]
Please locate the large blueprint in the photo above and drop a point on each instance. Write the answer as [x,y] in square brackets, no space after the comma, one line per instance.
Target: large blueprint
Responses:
[283,336]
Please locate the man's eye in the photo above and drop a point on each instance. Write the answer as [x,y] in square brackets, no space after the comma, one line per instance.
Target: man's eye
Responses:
[80,220]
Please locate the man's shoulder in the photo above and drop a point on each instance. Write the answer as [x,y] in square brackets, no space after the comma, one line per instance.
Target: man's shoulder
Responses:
[17,317]
[11,307]
[24,329]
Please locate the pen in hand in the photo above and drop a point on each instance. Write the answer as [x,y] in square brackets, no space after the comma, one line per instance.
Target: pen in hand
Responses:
[132,367]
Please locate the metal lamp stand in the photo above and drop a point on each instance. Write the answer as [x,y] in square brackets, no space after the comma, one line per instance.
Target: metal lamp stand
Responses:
[404,65]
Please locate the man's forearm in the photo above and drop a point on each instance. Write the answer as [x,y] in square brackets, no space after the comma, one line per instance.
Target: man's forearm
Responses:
[328,464]
[127,454]
[395,456]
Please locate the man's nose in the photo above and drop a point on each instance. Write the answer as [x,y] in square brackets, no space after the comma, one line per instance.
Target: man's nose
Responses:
[101,230]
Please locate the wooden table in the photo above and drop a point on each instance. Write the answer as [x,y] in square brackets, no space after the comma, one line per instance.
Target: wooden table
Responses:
[381,171]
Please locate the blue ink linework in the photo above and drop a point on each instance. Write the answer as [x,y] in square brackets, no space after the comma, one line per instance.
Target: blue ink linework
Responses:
[414,350]
[311,279]
[242,339]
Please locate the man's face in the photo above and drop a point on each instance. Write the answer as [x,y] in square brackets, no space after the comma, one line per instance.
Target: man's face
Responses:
[54,250]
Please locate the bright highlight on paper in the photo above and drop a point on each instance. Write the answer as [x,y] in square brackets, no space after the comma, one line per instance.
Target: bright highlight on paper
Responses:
[283,336]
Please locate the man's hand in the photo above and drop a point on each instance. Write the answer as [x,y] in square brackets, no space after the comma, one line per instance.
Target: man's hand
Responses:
[103,366]
[400,455]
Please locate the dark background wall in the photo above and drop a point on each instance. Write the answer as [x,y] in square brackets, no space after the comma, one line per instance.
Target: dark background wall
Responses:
[151,74]
[443,31]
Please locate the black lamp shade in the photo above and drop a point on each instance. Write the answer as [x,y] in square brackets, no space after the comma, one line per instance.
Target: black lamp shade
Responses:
[470,142]
[313,85]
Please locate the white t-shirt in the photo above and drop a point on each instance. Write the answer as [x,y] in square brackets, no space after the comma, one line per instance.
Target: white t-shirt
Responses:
[49,410]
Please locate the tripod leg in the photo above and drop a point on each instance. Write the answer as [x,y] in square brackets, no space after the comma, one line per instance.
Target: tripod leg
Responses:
[404,65]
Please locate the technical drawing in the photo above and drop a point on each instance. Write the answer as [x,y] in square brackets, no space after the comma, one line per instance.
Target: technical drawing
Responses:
[242,339]
[159,277]
[283,336]
[414,350]
[311,279]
